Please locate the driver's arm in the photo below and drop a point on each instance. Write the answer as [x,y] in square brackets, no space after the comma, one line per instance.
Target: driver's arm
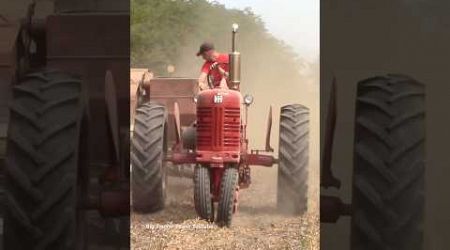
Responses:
[223,72]
[202,81]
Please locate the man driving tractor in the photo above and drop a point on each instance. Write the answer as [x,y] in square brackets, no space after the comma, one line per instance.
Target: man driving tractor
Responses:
[216,66]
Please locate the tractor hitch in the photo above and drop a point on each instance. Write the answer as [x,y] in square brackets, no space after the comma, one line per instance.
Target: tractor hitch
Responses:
[109,203]
[332,208]
[257,159]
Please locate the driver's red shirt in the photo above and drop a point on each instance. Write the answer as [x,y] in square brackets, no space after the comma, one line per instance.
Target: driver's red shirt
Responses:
[222,59]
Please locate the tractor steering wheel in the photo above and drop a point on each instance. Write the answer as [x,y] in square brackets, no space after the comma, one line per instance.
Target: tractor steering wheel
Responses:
[209,76]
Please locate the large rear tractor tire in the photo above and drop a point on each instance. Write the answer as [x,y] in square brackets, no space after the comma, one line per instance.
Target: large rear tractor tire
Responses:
[148,148]
[202,193]
[42,163]
[292,193]
[389,164]
[227,197]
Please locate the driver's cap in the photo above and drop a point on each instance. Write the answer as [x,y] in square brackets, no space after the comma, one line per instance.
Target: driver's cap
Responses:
[206,46]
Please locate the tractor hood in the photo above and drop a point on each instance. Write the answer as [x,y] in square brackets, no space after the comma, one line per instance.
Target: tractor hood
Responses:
[219,97]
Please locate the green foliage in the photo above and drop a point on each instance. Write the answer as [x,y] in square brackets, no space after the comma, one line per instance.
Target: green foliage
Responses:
[158,29]
[167,32]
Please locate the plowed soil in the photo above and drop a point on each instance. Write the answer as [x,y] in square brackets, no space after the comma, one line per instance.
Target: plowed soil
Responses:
[257,224]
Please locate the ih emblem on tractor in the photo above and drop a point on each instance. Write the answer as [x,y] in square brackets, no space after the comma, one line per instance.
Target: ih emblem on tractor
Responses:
[218,98]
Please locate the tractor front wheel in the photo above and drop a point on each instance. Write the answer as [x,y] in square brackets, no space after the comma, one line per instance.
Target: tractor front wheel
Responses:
[202,193]
[227,196]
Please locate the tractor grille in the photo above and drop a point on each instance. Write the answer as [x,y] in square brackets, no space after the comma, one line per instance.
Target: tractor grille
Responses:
[232,127]
[218,128]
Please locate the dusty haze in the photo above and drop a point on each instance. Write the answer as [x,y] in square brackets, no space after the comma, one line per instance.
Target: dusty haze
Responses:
[270,84]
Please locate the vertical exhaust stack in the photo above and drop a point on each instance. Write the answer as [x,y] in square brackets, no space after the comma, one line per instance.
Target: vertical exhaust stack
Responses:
[235,62]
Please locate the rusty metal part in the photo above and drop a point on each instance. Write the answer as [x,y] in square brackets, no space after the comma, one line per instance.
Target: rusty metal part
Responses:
[189,136]
[113,203]
[37,27]
[9,64]
[221,157]
[139,90]
[64,35]
[8,51]
[269,130]
[216,179]
[327,177]
[167,91]
[145,80]
[180,158]
[244,176]
[112,111]
[176,116]
[332,208]
[256,159]
[27,27]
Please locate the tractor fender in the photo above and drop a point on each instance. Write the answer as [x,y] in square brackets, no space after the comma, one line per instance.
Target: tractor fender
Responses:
[189,136]
[269,131]
[177,123]
[112,111]
[8,50]
[8,68]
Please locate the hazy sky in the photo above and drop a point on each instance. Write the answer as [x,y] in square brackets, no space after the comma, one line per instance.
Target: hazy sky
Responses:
[294,21]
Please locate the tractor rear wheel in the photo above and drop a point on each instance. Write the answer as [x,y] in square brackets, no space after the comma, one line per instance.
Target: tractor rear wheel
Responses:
[389,164]
[148,148]
[292,193]
[227,197]
[202,193]
[42,163]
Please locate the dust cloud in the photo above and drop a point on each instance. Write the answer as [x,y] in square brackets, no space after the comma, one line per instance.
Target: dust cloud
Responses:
[276,76]
[272,82]
[269,76]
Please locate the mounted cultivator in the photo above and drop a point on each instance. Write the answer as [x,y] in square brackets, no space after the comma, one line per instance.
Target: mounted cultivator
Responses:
[176,127]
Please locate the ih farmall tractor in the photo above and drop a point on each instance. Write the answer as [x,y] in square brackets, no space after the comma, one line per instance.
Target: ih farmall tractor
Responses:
[175,125]
[67,140]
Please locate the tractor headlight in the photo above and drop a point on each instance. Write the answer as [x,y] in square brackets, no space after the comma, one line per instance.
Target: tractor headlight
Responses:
[235,27]
[248,99]
[195,98]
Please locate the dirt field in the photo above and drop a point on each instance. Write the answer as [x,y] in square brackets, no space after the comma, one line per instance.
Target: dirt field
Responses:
[257,225]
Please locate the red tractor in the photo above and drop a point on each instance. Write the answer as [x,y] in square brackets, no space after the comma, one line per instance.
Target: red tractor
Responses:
[175,125]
